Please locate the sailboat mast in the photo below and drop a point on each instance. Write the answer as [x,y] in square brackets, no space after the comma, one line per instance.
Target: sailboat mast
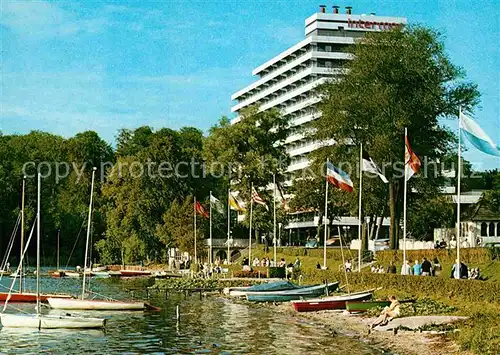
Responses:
[38,244]
[88,231]
[58,236]
[22,238]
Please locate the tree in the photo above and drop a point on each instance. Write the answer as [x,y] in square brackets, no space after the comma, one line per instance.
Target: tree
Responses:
[250,152]
[397,79]
[177,229]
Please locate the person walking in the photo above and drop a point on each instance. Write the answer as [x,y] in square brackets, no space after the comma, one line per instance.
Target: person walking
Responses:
[417,269]
[426,267]
[406,269]
[436,267]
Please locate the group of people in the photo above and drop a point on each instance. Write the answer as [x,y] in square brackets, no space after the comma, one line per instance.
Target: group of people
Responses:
[426,268]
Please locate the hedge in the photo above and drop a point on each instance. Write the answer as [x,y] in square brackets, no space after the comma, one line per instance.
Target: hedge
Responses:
[469,255]
[331,253]
[421,286]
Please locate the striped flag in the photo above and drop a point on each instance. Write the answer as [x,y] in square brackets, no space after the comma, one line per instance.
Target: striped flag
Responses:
[200,209]
[412,163]
[338,177]
[478,138]
[257,199]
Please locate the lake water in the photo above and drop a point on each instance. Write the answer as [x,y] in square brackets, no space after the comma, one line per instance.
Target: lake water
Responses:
[213,325]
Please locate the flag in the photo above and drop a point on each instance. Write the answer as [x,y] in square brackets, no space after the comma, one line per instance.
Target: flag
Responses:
[338,177]
[216,202]
[236,203]
[257,199]
[370,166]
[200,209]
[281,197]
[478,138]
[412,163]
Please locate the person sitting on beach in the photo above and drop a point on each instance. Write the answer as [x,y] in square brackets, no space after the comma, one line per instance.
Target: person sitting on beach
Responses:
[348,266]
[388,313]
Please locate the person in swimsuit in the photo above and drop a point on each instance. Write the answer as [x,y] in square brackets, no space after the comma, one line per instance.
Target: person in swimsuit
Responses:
[388,313]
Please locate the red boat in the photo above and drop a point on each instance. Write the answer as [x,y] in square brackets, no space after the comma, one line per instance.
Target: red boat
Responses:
[28,297]
[134,273]
[326,303]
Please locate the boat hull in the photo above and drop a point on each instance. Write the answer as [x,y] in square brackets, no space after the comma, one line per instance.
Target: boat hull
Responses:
[28,297]
[130,273]
[363,306]
[77,304]
[50,321]
[328,303]
[290,295]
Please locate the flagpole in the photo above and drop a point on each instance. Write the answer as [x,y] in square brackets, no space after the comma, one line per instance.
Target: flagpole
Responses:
[274,217]
[404,202]
[326,216]
[228,226]
[211,248]
[359,204]
[250,233]
[195,251]
[457,270]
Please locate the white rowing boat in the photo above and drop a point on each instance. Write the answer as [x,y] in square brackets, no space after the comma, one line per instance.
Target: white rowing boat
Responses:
[39,321]
[79,304]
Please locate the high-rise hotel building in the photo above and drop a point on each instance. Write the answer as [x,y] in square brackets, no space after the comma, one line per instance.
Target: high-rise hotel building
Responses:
[286,82]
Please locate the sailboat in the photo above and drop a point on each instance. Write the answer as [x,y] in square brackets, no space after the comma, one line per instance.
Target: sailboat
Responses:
[38,320]
[84,304]
[22,296]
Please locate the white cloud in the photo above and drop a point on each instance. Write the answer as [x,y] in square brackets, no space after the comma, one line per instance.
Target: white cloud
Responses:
[38,19]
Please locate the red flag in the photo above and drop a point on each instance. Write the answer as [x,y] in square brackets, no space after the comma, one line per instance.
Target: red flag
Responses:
[412,163]
[200,209]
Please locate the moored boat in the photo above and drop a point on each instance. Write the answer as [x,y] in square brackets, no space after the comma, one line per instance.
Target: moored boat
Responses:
[58,273]
[328,303]
[39,321]
[73,274]
[100,274]
[29,297]
[79,304]
[294,294]
[363,306]
[130,273]
[263,287]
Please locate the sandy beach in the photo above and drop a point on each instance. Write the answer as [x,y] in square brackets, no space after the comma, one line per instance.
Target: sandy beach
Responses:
[404,342]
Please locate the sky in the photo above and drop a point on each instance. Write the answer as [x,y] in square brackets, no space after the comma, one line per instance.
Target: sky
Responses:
[71,66]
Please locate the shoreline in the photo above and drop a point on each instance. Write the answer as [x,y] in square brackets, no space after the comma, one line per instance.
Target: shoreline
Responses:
[356,326]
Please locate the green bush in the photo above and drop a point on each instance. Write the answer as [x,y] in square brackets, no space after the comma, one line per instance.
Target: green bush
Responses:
[331,254]
[276,272]
[421,286]
[469,255]
[480,333]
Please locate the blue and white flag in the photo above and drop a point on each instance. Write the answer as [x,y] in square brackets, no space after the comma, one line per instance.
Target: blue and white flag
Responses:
[479,139]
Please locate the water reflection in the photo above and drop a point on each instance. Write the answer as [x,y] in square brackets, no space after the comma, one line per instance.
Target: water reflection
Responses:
[214,325]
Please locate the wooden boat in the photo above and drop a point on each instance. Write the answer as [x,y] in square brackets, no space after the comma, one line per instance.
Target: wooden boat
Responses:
[263,287]
[29,297]
[58,273]
[332,302]
[74,304]
[100,274]
[39,321]
[363,306]
[294,294]
[131,273]
[73,274]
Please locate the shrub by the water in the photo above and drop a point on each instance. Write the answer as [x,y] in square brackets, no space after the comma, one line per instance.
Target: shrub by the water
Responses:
[277,272]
